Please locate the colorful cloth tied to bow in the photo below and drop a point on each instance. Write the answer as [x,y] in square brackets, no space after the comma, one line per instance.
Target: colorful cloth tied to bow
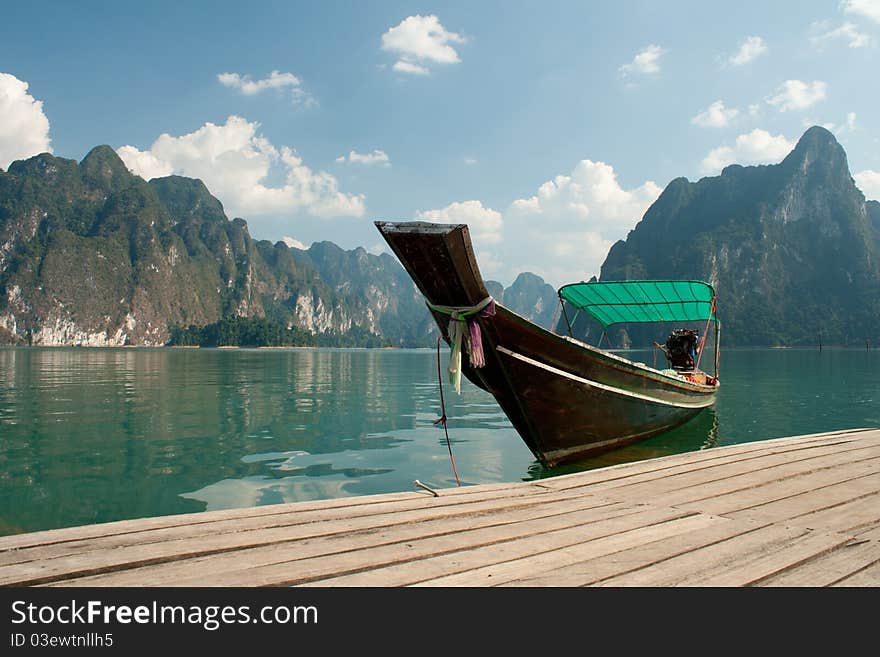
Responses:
[463,324]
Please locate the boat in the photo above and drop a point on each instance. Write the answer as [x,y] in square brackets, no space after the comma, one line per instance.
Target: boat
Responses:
[567,399]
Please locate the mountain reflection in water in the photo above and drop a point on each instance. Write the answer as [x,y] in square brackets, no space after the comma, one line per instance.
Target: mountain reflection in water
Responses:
[93,435]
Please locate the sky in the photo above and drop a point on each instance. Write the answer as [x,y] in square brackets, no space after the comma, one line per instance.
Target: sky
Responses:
[548,127]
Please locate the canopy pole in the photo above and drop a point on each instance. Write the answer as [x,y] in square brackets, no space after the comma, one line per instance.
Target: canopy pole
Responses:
[717,345]
[565,314]
[556,316]
[606,337]
[705,333]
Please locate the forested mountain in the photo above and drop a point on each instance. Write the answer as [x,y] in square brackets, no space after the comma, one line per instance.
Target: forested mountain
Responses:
[91,254]
[793,249]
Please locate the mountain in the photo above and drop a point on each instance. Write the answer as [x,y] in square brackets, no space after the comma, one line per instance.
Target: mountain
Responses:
[532,298]
[91,254]
[793,249]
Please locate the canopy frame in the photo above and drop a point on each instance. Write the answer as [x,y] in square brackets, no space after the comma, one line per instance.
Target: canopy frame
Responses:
[628,302]
[644,301]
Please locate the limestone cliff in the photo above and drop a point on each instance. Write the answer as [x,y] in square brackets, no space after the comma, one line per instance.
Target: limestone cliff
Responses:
[791,248]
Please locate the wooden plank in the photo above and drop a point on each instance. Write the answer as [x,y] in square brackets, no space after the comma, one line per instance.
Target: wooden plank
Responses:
[109,559]
[744,496]
[707,560]
[521,555]
[691,460]
[855,516]
[749,570]
[837,507]
[348,539]
[868,577]
[771,466]
[829,569]
[119,527]
[438,507]
[559,559]
[593,570]
[289,566]
[868,533]
[762,480]
[661,467]
[726,516]
[194,519]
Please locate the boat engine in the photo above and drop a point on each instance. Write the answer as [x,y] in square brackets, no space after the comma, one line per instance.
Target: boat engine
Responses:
[681,349]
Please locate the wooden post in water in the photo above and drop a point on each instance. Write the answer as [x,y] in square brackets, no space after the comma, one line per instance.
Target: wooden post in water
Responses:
[820,340]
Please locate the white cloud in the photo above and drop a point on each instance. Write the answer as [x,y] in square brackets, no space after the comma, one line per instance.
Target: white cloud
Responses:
[403,66]
[755,147]
[798,95]
[715,116]
[484,223]
[24,128]
[376,157]
[144,163]
[562,233]
[419,40]
[573,220]
[470,160]
[294,243]
[867,8]
[717,159]
[646,62]
[750,49]
[822,33]
[492,266]
[276,80]
[591,190]
[869,182]
[849,125]
[235,162]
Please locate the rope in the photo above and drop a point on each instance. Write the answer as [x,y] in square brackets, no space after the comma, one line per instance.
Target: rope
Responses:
[442,419]
[461,318]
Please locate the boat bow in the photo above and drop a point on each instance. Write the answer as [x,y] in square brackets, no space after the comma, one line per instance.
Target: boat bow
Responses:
[565,398]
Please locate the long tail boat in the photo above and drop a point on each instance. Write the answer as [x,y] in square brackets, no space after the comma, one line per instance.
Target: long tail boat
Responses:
[566,399]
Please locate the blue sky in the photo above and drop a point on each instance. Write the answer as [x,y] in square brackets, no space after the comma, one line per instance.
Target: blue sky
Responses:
[548,127]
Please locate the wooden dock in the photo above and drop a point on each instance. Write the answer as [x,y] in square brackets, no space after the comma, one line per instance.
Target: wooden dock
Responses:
[800,511]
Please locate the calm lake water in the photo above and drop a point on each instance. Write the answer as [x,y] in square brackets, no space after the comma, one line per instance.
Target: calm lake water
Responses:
[92,435]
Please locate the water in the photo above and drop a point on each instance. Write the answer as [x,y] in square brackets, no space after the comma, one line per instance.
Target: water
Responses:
[93,435]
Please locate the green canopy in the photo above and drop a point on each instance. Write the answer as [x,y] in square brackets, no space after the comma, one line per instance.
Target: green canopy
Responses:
[616,302]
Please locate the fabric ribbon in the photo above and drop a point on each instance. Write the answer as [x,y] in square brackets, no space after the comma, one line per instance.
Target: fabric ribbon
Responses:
[461,318]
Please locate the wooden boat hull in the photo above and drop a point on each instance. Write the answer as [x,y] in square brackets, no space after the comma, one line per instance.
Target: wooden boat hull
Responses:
[565,398]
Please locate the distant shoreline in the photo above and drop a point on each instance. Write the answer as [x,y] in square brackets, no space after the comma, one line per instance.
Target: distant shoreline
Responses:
[862,347]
